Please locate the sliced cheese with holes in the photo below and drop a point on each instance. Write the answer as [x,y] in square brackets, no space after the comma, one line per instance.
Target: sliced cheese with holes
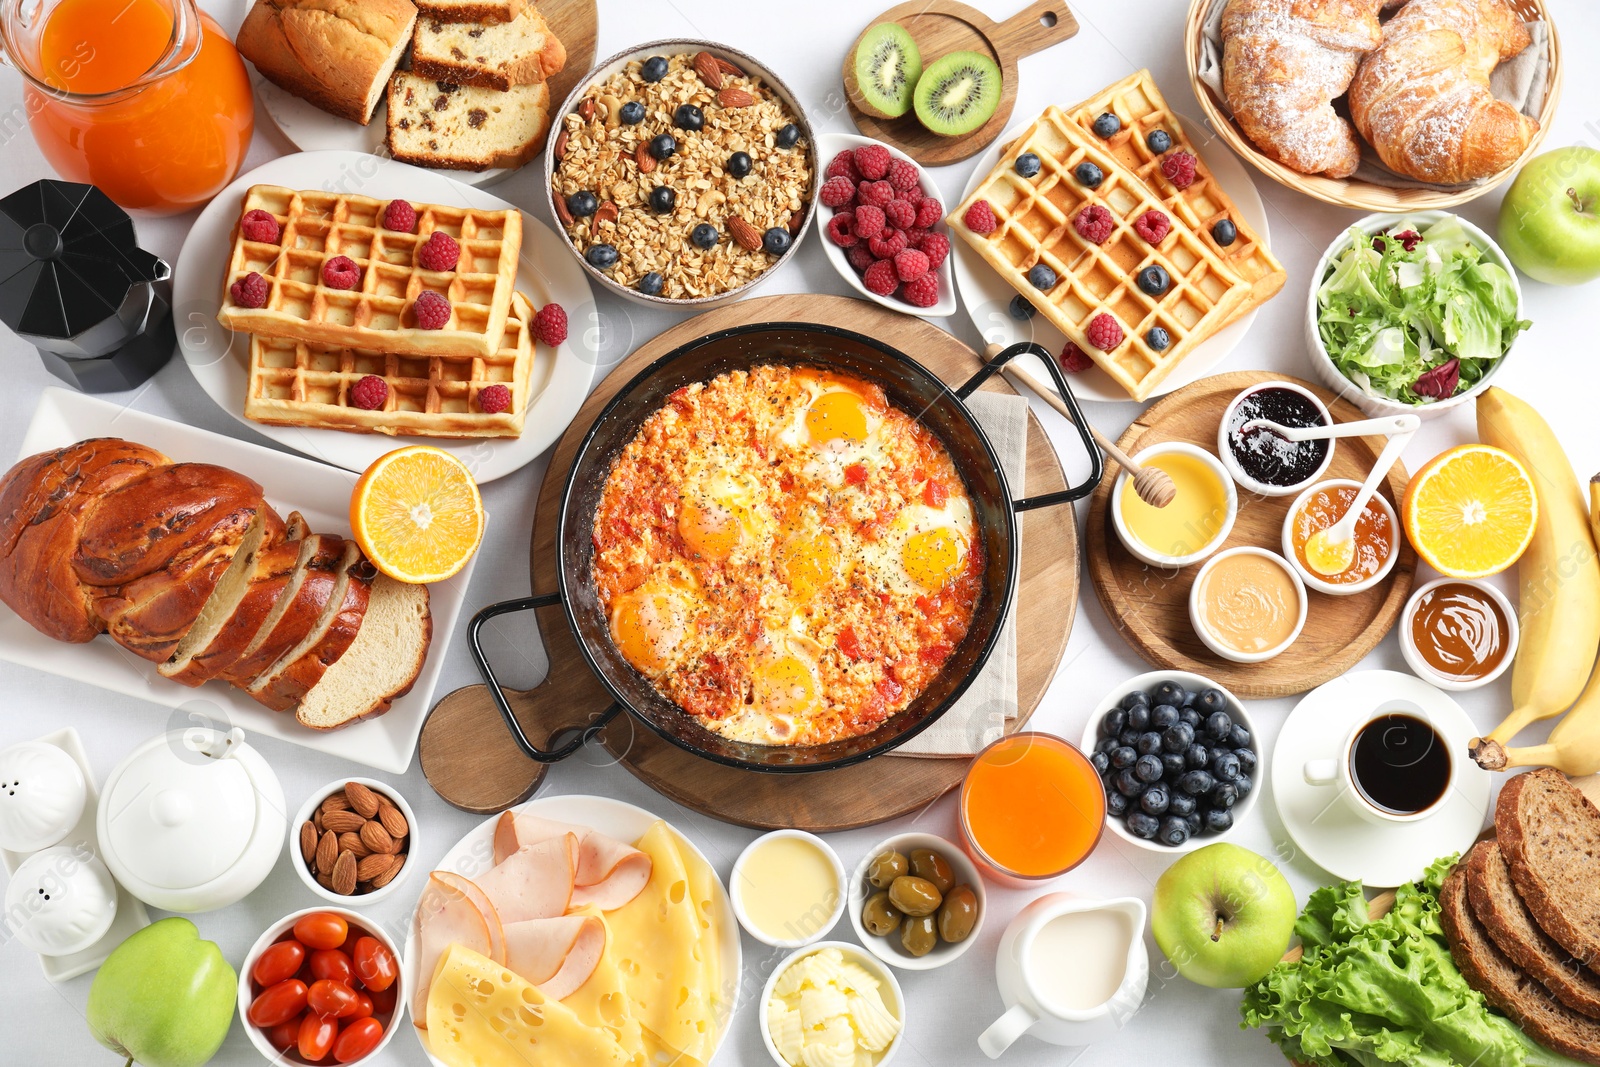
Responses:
[602,1001]
[658,944]
[705,891]
[481,1015]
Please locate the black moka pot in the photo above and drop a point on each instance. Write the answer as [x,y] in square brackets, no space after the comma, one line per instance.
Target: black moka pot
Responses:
[75,284]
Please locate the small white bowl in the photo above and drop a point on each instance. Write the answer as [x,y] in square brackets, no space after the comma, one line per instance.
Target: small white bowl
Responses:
[1323,364]
[1316,581]
[830,145]
[1424,670]
[1225,450]
[888,989]
[736,886]
[355,900]
[291,1058]
[1197,615]
[888,948]
[1189,680]
[1145,552]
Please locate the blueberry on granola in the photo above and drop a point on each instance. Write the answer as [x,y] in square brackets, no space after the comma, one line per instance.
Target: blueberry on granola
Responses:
[788,137]
[739,164]
[1088,174]
[631,113]
[663,146]
[663,198]
[1107,125]
[582,204]
[653,69]
[776,241]
[703,235]
[1159,141]
[688,117]
[651,284]
[601,256]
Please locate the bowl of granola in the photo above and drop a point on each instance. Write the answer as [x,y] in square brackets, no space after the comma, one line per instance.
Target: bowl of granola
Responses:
[682,172]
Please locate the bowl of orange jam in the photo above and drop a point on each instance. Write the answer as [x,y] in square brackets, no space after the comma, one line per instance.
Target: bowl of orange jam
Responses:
[1032,808]
[1377,537]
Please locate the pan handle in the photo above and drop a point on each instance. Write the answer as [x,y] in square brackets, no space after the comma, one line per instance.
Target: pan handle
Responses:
[532,751]
[1079,423]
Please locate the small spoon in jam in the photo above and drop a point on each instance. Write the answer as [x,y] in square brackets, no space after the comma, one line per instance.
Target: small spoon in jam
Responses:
[1388,426]
[1332,549]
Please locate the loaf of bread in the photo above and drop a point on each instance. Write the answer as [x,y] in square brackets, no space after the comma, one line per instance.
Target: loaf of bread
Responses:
[472,10]
[442,124]
[338,54]
[488,55]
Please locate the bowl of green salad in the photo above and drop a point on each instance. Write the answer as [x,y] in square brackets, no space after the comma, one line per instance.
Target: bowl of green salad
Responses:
[1412,313]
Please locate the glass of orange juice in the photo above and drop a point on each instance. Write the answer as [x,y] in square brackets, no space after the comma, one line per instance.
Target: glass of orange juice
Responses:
[1032,807]
[145,98]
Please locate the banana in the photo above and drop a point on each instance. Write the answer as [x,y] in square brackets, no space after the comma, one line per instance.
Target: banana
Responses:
[1574,744]
[1559,603]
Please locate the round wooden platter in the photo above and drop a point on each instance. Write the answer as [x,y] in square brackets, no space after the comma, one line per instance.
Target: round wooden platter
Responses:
[467,753]
[1150,606]
[943,26]
[577,24]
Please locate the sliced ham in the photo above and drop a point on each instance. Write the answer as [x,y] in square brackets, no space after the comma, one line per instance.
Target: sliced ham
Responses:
[452,910]
[534,882]
[557,955]
[609,872]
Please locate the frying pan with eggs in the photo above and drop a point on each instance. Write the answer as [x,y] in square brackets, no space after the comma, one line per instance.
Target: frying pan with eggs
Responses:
[909,386]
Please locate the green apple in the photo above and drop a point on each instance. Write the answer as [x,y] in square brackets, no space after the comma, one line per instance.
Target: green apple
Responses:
[1550,218]
[1223,915]
[164,997]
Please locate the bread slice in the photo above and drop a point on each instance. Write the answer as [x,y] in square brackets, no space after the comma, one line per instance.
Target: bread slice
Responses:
[472,10]
[1549,833]
[442,124]
[383,662]
[257,562]
[337,54]
[488,55]
[1488,970]
[294,612]
[282,685]
[1511,927]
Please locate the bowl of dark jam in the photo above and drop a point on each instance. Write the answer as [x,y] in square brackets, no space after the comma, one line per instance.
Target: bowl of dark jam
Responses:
[1262,462]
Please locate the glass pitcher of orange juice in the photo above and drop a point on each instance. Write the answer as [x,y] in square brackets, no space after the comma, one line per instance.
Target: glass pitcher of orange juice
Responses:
[145,98]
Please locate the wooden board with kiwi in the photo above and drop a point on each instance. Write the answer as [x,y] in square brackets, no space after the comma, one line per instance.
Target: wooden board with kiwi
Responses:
[937,79]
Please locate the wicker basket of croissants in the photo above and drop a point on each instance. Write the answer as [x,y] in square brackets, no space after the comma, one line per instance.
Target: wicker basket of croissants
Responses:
[1384,105]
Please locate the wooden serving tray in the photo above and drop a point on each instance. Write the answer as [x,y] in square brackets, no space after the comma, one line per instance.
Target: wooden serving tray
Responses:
[577,24]
[1150,606]
[943,26]
[467,753]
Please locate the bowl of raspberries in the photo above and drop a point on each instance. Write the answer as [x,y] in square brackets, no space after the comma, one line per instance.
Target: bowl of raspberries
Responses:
[883,226]
[1179,758]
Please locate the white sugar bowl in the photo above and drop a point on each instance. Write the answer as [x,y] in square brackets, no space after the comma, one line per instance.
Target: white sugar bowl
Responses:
[61,900]
[42,793]
[192,820]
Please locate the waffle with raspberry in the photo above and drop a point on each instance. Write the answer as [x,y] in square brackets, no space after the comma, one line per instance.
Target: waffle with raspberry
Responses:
[299,383]
[1139,106]
[1035,223]
[377,314]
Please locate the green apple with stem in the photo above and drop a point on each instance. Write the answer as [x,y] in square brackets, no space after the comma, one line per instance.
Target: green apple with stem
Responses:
[164,997]
[1223,915]
[1550,218]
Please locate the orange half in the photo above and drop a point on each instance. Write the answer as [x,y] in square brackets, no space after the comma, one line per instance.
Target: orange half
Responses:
[1470,511]
[417,515]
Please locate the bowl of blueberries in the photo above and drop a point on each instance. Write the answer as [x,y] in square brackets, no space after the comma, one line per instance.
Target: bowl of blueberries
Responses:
[1178,756]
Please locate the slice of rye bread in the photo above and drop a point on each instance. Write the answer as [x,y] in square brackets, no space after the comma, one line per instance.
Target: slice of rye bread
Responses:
[381,665]
[488,55]
[281,686]
[1549,833]
[444,125]
[1489,971]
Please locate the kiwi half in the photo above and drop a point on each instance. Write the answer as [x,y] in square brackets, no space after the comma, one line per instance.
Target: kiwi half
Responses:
[958,93]
[884,71]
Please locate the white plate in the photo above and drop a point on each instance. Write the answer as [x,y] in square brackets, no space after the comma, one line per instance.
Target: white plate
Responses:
[1331,834]
[474,854]
[830,145]
[988,296]
[320,493]
[219,358]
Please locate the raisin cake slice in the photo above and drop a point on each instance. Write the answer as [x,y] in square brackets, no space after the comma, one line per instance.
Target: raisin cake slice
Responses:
[523,51]
[443,124]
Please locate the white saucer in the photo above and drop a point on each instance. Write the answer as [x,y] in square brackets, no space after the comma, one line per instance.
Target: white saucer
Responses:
[987,296]
[547,272]
[1326,829]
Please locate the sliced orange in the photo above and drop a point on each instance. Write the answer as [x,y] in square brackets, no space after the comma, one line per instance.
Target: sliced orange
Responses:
[417,515]
[1470,511]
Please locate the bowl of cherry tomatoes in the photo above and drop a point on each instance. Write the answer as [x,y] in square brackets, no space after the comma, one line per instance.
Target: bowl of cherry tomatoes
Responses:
[321,986]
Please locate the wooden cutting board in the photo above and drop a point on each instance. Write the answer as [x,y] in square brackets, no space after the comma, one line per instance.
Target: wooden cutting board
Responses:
[943,26]
[467,753]
[576,23]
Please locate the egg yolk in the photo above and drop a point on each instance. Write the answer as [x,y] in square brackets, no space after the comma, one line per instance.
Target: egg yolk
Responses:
[785,684]
[709,530]
[647,628]
[836,415]
[933,557]
[807,564]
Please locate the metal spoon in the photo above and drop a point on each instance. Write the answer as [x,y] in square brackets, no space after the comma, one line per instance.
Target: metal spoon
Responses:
[1388,426]
[1153,484]
[1332,549]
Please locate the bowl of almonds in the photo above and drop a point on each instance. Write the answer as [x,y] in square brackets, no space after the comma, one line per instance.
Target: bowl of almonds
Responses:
[351,841]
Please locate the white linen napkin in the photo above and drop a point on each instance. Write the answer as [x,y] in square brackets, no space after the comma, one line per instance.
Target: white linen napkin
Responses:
[983,711]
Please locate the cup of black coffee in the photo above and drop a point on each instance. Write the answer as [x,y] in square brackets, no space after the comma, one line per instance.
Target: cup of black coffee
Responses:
[1393,767]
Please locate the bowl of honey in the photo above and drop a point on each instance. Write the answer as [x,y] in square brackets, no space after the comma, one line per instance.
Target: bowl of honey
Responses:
[1194,523]
[1457,634]
[1377,537]
[1032,808]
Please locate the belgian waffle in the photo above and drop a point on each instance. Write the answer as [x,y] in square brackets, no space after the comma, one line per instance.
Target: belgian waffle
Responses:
[299,383]
[1138,103]
[1035,217]
[376,315]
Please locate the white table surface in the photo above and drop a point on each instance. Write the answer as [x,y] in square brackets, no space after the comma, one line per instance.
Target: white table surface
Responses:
[1180,1022]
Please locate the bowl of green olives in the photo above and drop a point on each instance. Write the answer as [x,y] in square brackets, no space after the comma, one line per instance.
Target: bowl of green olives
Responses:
[916,901]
